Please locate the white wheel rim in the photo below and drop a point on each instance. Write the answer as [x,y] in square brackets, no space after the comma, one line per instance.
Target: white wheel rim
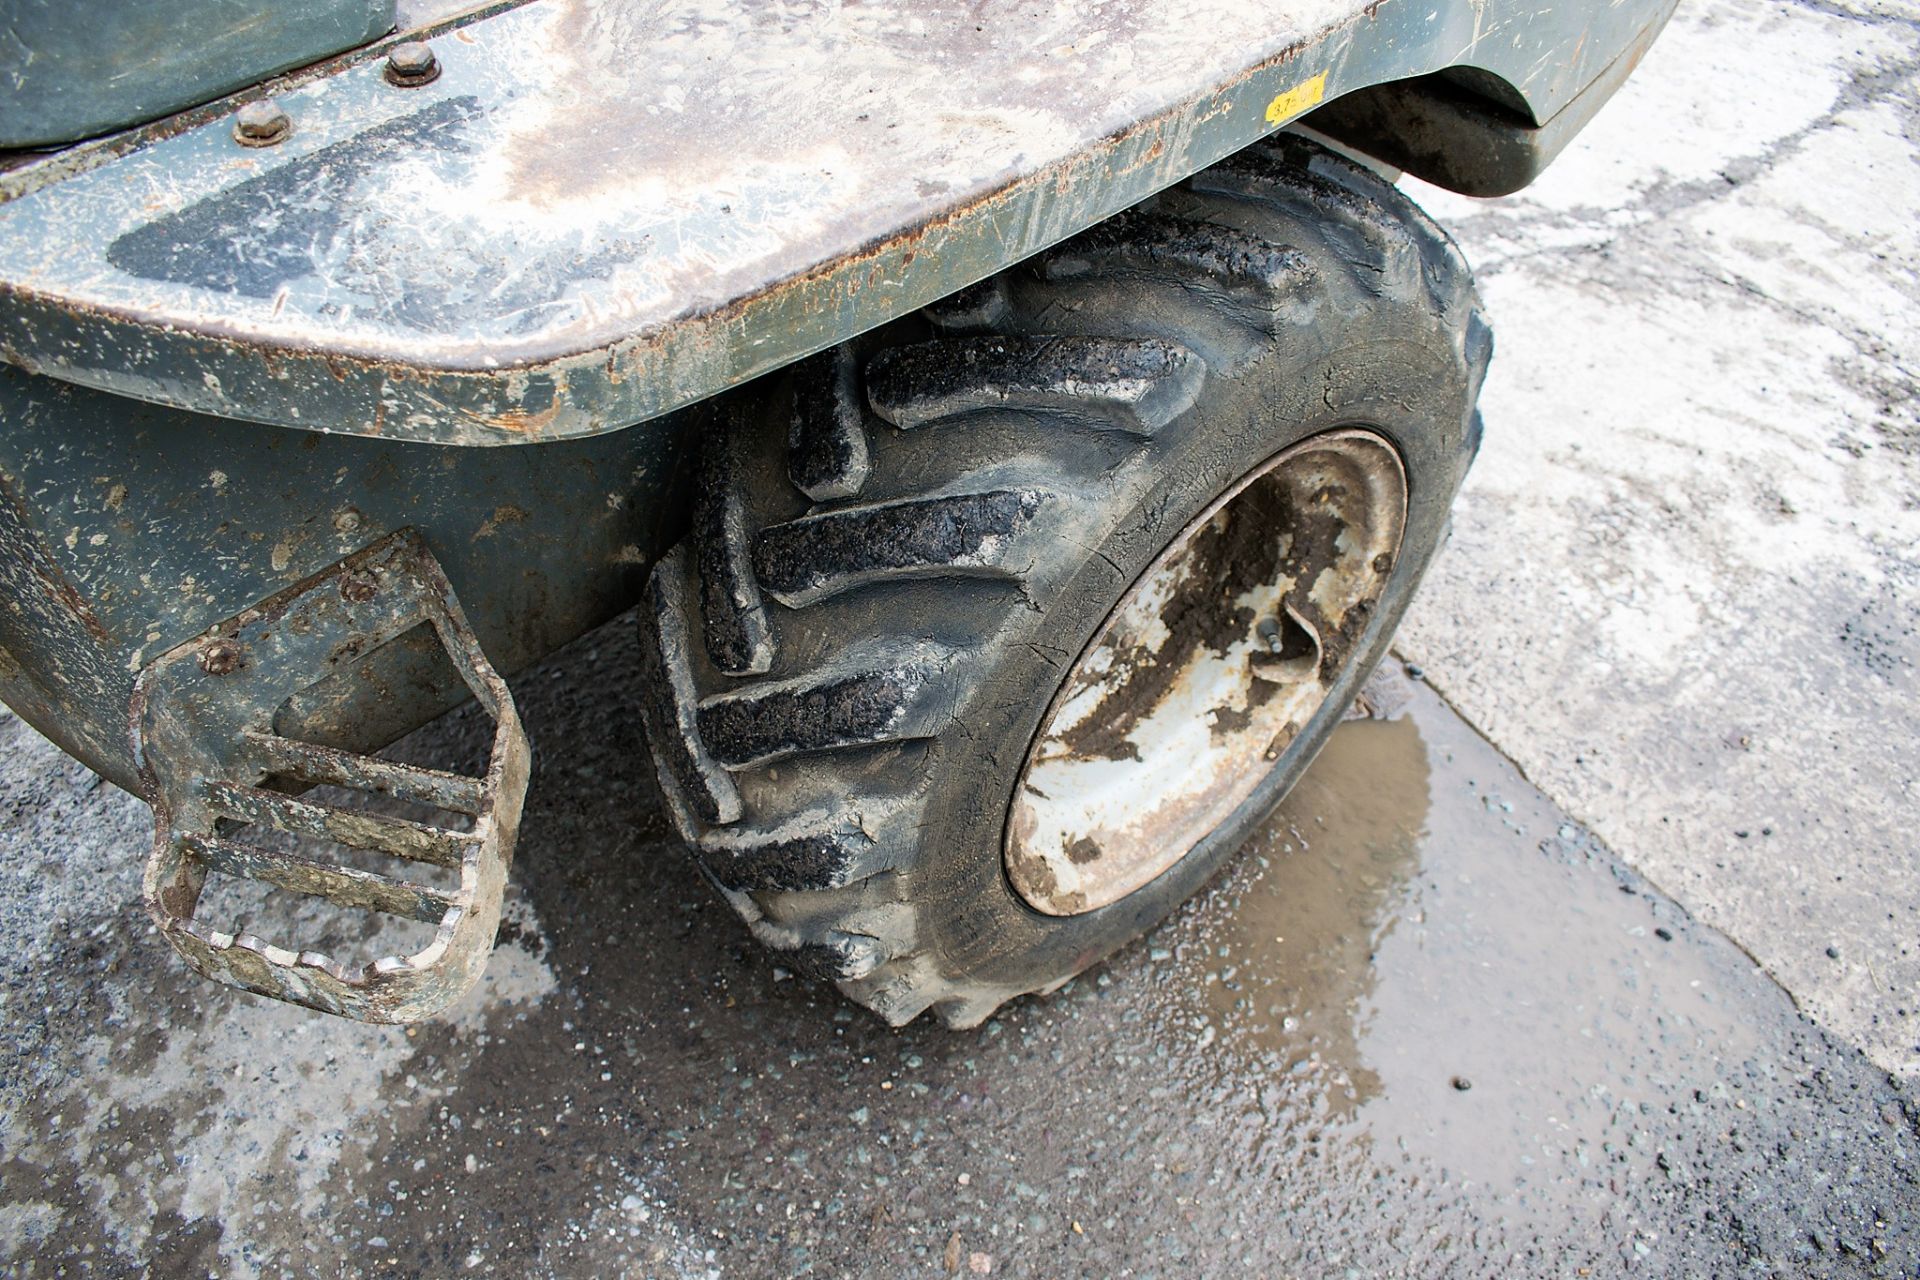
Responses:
[1205,672]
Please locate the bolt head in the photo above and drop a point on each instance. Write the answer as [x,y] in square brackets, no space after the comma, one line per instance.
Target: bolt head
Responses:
[219,657]
[358,588]
[261,124]
[411,64]
[347,521]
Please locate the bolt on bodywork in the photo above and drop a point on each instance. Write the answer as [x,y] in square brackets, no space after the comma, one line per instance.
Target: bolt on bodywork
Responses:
[261,124]
[220,657]
[412,64]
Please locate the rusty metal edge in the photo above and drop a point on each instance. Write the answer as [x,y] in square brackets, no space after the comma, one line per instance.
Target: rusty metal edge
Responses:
[480,397]
[645,374]
[642,375]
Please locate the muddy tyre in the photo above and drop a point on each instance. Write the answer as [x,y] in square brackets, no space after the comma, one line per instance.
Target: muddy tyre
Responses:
[1074,525]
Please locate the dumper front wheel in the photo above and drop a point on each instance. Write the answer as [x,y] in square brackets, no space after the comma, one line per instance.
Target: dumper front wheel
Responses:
[998,629]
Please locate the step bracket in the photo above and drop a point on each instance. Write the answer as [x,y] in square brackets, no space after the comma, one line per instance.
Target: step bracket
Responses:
[213,763]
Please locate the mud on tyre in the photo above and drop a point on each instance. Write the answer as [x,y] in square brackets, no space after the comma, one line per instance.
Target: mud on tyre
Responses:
[912,553]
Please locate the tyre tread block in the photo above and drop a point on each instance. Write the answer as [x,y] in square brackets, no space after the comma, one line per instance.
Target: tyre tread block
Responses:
[1136,385]
[839,957]
[828,451]
[1252,278]
[1384,242]
[978,308]
[965,534]
[734,625]
[820,850]
[671,701]
[860,705]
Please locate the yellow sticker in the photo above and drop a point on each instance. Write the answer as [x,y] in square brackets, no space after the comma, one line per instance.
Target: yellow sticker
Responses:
[1297,100]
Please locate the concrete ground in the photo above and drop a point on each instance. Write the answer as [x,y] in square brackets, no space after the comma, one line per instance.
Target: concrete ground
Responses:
[1683,592]
[1426,1027]
[1441,1019]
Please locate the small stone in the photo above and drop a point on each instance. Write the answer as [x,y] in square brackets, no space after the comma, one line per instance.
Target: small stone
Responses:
[1833,953]
[980,1264]
[1663,934]
[1415,673]
[1462,1084]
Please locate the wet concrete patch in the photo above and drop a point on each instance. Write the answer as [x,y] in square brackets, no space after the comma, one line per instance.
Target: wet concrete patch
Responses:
[1699,494]
[1425,1026]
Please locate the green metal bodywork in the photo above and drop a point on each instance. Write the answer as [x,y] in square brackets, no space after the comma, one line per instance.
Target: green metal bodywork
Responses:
[223,368]
[128,528]
[603,210]
[75,68]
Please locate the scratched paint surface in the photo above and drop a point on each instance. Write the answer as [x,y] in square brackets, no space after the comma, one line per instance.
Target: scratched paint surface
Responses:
[601,209]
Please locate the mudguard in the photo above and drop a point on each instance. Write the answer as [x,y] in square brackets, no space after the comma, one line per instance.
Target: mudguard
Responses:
[599,211]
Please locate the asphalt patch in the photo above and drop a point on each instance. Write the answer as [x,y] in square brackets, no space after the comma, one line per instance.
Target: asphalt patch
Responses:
[1424,1026]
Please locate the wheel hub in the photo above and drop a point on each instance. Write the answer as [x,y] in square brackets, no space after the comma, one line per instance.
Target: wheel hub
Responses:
[1205,672]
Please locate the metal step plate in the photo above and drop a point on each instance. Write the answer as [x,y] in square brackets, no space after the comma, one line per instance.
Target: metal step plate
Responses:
[210,734]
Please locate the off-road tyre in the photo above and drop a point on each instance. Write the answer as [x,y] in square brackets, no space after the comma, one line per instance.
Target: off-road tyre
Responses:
[899,547]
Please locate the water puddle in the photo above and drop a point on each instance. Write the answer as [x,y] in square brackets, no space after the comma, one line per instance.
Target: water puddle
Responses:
[1427,958]
[1425,1026]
